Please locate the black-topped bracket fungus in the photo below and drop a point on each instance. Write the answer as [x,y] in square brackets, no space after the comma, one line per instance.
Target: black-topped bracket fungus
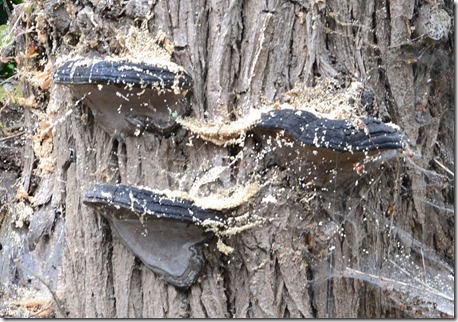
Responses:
[165,233]
[313,147]
[364,134]
[128,97]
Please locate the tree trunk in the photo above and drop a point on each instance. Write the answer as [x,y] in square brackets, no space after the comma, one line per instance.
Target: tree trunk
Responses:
[391,253]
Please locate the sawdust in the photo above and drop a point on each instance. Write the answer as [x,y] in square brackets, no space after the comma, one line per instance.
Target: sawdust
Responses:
[222,133]
[41,79]
[22,194]
[42,142]
[228,199]
[223,248]
[141,47]
[234,225]
[328,98]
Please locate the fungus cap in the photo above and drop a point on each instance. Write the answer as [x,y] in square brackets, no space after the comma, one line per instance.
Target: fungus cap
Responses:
[165,234]
[128,97]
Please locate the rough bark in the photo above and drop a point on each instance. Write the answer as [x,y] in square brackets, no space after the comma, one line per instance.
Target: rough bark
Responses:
[321,252]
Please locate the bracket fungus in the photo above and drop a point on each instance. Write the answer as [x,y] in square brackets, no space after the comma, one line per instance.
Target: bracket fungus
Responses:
[365,134]
[128,97]
[313,147]
[164,233]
